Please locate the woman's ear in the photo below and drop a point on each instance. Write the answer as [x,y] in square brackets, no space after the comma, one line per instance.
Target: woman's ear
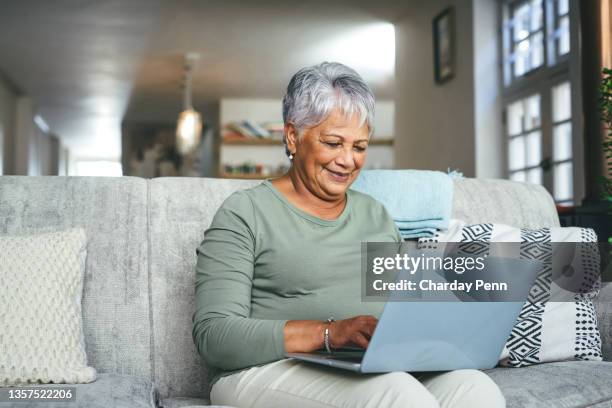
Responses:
[291,137]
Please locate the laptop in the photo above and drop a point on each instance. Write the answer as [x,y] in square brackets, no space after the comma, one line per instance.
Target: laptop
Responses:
[420,336]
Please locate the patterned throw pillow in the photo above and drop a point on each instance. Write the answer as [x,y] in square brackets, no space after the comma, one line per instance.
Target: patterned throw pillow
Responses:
[545,330]
[41,333]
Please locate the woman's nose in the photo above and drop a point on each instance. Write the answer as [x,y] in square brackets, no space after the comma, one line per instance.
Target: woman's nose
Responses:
[345,158]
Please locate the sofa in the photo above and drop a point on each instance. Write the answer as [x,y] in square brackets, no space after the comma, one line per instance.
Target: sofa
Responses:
[138,295]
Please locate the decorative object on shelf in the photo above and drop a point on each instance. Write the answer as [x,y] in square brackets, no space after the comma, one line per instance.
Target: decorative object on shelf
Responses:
[189,127]
[444,45]
[253,170]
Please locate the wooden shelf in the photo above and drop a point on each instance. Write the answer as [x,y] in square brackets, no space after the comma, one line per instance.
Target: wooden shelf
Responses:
[275,142]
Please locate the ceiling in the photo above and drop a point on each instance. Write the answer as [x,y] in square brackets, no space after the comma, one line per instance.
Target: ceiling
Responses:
[89,65]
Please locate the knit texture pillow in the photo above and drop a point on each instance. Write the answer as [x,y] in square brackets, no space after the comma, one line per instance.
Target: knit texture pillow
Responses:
[41,333]
[545,331]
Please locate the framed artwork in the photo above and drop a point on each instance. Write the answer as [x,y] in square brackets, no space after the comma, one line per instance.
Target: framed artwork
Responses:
[444,45]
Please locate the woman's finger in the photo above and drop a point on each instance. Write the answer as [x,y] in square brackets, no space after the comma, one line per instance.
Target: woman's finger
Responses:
[372,327]
[360,340]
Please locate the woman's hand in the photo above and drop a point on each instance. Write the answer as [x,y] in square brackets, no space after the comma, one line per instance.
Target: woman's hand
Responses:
[356,331]
[303,336]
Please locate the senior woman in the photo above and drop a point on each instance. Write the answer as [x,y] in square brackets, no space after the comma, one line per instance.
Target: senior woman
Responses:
[282,257]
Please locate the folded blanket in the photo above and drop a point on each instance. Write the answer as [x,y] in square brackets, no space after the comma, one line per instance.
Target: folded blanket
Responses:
[419,201]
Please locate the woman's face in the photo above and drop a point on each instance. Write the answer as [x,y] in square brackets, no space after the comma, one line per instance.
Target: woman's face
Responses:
[329,156]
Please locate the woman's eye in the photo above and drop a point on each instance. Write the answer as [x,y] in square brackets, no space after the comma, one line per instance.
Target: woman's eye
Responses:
[334,145]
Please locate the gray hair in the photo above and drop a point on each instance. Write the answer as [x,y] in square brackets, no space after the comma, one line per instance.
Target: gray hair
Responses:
[313,92]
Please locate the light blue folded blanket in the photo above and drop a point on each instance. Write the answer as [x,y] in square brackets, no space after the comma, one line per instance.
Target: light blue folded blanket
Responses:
[420,201]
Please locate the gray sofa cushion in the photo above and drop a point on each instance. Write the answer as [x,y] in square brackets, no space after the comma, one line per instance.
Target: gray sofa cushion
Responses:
[108,391]
[115,297]
[181,209]
[184,403]
[551,385]
[188,403]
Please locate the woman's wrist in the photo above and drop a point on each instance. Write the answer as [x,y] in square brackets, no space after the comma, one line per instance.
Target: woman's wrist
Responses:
[327,335]
[303,336]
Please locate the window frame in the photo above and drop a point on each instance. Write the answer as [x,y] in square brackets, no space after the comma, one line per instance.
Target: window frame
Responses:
[541,81]
[525,134]
[510,43]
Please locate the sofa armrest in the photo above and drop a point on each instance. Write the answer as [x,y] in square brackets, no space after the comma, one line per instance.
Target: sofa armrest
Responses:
[522,205]
[603,305]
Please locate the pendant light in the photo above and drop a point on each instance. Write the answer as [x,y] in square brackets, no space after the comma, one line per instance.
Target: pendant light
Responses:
[189,126]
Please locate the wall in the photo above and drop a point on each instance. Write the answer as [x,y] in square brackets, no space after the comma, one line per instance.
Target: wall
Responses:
[35,152]
[487,90]
[434,124]
[44,154]
[606,33]
[24,132]
[63,160]
[25,149]
[8,101]
[209,159]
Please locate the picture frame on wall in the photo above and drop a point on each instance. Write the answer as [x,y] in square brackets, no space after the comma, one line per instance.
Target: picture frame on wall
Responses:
[444,45]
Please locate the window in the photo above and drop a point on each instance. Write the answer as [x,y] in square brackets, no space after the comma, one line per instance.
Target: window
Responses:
[559,30]
[525,32]
[525,140]
[524,42]
[540,129]
[562,143]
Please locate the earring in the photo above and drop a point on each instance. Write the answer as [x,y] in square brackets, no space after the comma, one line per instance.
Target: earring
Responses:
[290,156]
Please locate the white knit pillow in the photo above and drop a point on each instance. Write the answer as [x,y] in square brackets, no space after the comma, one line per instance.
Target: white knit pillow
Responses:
[41,333]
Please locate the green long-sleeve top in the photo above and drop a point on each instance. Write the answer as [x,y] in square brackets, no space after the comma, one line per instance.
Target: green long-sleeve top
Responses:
[264,261]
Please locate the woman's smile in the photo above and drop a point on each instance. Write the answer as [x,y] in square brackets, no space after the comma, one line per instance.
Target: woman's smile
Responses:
[338,176]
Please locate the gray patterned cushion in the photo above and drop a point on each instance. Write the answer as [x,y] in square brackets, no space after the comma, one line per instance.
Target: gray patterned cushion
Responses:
[545,330]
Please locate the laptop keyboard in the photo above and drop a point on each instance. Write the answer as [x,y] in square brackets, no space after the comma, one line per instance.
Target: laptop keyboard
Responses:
[350,359]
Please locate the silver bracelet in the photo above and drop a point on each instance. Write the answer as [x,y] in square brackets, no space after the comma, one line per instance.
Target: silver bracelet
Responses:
[326,335]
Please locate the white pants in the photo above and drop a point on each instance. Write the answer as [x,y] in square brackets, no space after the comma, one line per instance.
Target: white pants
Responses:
[290,383]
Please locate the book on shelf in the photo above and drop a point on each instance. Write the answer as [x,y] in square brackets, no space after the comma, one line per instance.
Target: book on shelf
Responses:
[276,129]
[239,128]
[248,129]
[256,129]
